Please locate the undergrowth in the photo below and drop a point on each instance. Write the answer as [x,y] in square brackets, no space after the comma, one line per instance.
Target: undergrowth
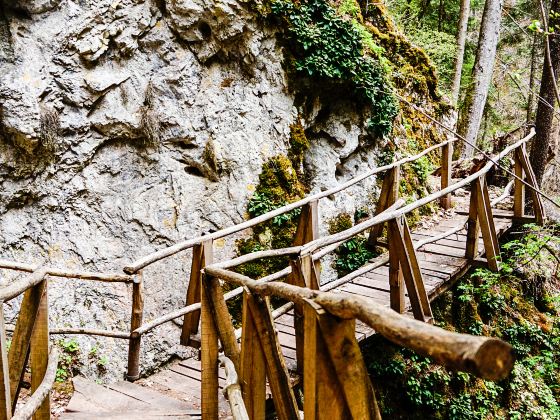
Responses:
[520,305]
[329,47]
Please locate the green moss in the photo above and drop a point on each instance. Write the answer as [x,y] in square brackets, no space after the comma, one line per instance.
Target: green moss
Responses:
[340,223]
[299,144]
[279,184]
[327,46]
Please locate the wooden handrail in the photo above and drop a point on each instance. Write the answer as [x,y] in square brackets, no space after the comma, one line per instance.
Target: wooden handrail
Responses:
[17,288]
[181,246]
[388,215]
[488,358]
[58,272]
[286,271]
[42,392]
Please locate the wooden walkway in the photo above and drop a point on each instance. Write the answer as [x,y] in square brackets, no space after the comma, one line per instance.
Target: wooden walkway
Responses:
[175,391]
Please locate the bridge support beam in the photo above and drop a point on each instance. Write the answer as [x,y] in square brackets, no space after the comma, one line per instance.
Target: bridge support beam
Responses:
[388,196]
[335,380]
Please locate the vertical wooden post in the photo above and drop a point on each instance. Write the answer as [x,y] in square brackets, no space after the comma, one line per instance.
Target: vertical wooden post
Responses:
[389,194]
[305,272]
[39,353]
[19,349]
[5,400]
[473,224]
[336,384]
[519,188]
[253,369]
[446,163]
[202,256]
[222,319]
[538,208]
[133,372]
[209,350]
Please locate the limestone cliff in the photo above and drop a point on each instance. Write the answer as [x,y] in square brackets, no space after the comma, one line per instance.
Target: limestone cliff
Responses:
[129,125]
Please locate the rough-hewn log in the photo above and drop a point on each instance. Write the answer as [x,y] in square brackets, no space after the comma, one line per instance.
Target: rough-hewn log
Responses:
[42,392]
[233,390]
[488,358]
[222,318]
[84,331]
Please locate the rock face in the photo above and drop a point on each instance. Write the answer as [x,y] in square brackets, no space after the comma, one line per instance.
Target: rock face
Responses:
[129,125]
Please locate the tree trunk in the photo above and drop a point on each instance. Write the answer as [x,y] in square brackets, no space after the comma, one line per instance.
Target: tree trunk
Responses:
[475,100]
[461,38]
[545,112]
[531,96]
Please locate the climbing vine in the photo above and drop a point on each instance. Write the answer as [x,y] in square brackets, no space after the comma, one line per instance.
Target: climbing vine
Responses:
[327,46]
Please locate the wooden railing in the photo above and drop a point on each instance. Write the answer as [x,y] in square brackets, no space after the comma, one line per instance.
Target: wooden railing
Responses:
[303,274]
[335,380]
[31,338]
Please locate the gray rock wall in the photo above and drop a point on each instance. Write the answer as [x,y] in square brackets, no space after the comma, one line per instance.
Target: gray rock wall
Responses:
[129,125]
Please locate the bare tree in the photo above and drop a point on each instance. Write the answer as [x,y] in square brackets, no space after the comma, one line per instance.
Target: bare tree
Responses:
[548,92]
[461,39]
[475,100]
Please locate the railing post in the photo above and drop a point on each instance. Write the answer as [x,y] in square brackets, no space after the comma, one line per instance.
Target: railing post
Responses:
[5,399]
[39,353]
[538,208]
[202,256]
[133,372]
[305,271]
[335,381]
[209,355]
[388,196]
[446,163]
[21,339]
[519,188]
[253,369]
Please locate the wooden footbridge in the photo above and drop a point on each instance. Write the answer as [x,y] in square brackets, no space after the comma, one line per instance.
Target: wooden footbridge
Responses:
[308,346]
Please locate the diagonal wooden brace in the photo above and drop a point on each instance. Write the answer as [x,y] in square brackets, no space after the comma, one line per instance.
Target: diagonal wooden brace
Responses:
[481,219]
[401,243]
[202,256]
[389,194]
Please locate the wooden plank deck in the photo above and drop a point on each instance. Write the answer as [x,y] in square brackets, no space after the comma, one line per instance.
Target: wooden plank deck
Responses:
[441,262]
